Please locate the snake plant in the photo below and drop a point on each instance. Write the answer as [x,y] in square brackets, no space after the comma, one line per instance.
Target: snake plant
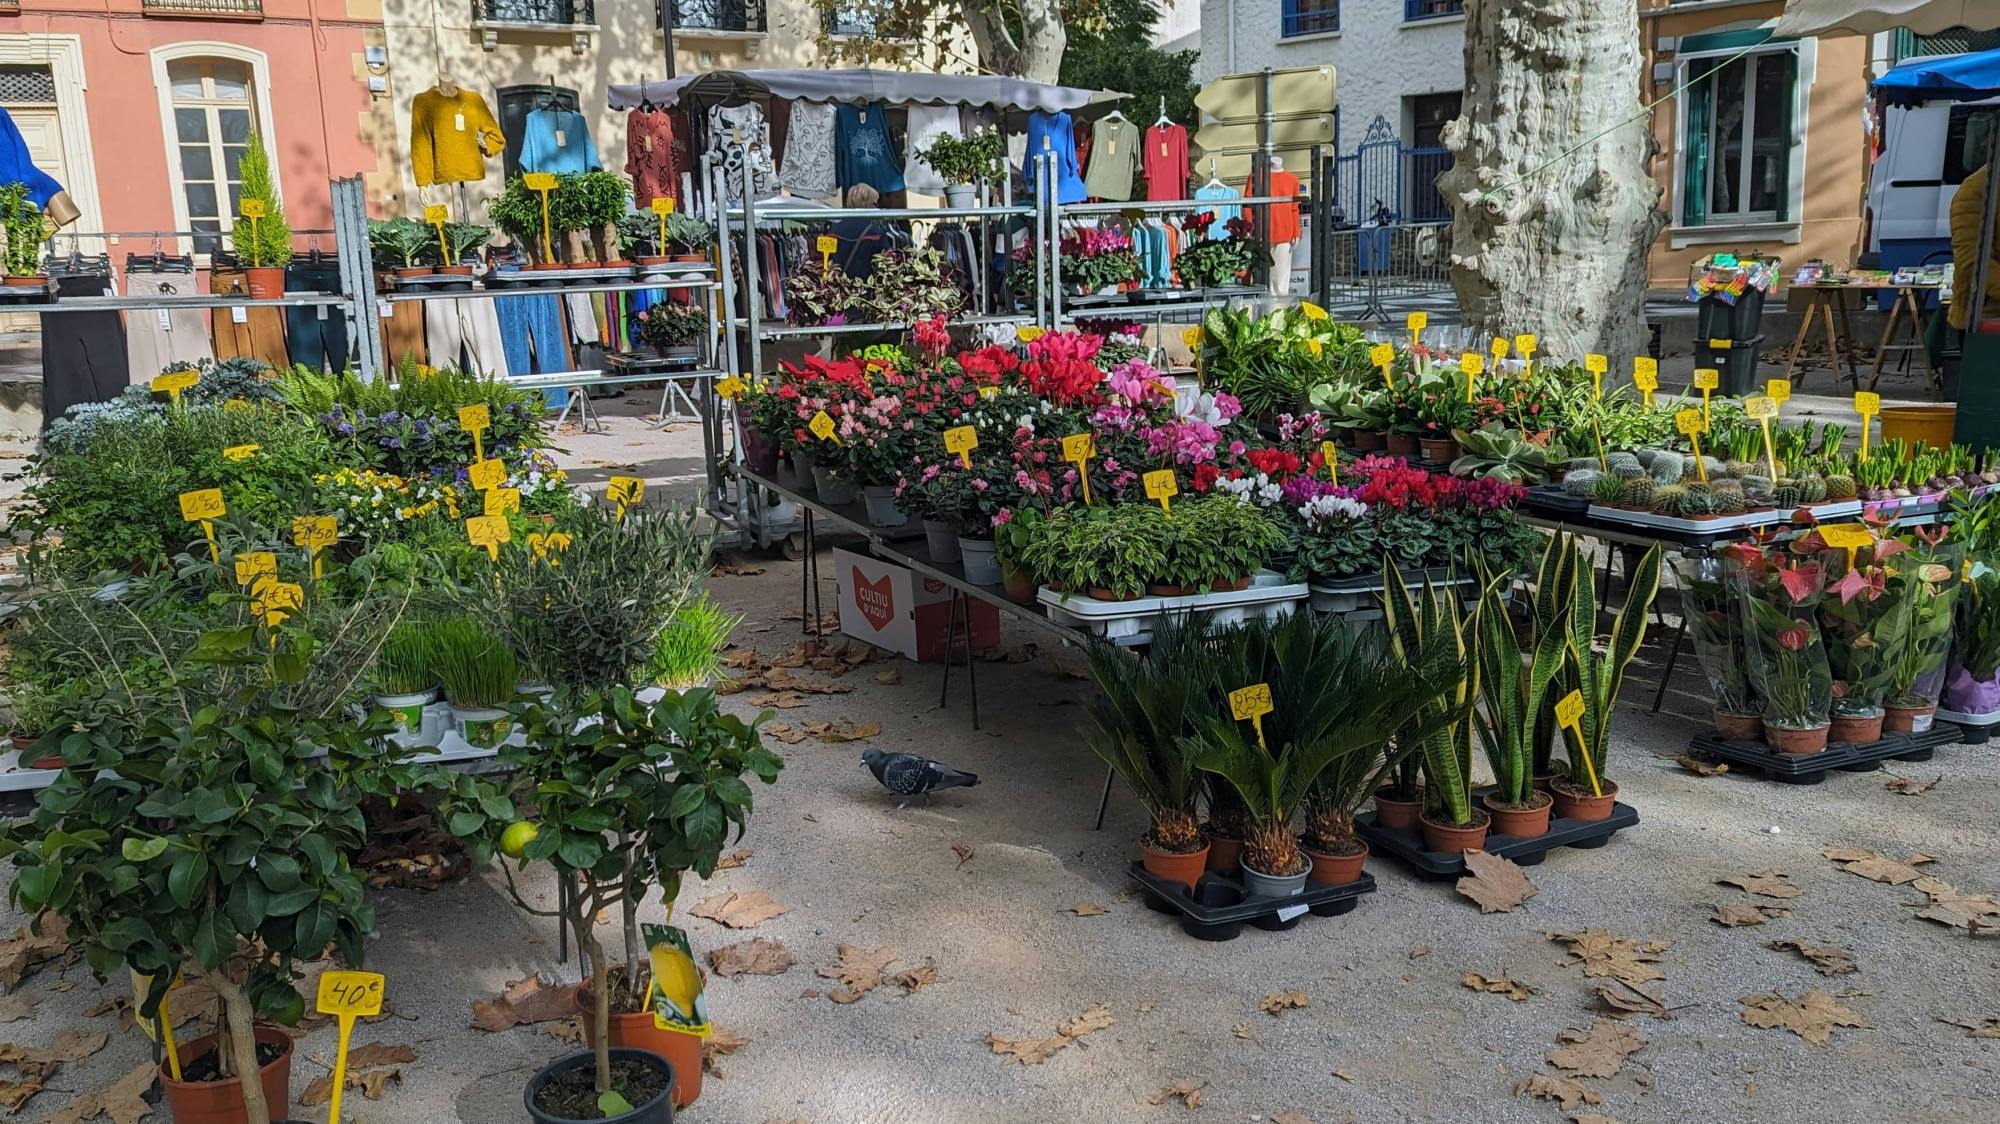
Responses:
[1518,685]
[1434,629]
[1599,674]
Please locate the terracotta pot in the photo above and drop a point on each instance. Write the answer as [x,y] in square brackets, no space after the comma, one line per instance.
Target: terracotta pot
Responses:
[1739,727]
[1854,729]
[1908,719]
[1393,813]
[456,270]
[1402,444]
[1523,823]
[687,257]
[1443,449]
[653,259]
[1168,866]
[1020,585]
[1787,740]
[1450,839]
[21,742]
[1224,853]
[1099,593]
[1544,780]
[50,761]
[1161,589]
[637,1032]
[221,1102]
[1368,440]
[14,281]
[265,282]
[1219,585]
[413,271]
[1573,803]
[1336,870]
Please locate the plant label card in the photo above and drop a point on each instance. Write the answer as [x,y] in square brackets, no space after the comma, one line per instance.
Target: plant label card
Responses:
[1079,447]
[253,209]
[315,532]
[962,440]
[1779,390]
[1760,408]
[731,387]
[1525,344]
[625,491]
[663,206]
[1472,363]
[539,181]
[240,452]
[488,531]
[437,214]
[1382,355]
[172,383]
[822,427]
[1418,321]
[254,564]
[1162,485]
[202,505]
[1330,453]
[826,243]
[1570,709]
[280,595]
[1192,337]
[500,501]
[1596,364]
[1867,403]
[1847,536]
[1501,347]
[350,994]
[487,474]
[1707,378]
[1689,423]
[474,418]
[1250,702]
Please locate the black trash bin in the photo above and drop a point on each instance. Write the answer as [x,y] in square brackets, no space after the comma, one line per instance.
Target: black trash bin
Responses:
[1735,364]
[1716,319]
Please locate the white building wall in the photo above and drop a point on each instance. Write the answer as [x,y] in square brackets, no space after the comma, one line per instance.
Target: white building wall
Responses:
[1179,28]
[1379,59]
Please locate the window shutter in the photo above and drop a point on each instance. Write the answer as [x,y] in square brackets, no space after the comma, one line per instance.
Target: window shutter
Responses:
[1694,142]
[1789,60]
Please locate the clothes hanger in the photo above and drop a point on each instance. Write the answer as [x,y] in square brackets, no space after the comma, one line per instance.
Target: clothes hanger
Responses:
[1115,115]
[1164,120]
[1213,179]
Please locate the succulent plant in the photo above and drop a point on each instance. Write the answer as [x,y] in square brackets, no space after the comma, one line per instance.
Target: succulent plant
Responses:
[1812,489]
[1624,464]
[1755,484]
[1785,494]
[1608,489]
[1667,468]
[1669,499]
[1729,501]
[1716,469]
[1582,464]
[1701,486]
[1840,487]
[1582,482]
[1638,492]
[1746,468]
[1647,457]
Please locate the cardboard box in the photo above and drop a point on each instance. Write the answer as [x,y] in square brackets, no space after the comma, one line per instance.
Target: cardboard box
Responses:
[893,607]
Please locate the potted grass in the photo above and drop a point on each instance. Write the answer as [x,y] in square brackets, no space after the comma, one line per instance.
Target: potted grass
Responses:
[1779,597]
[1585,793]
[689,651]
[1335,693]
[1517,686]
[406,673]
[480,677]
[1715,626]
[1930,576]
[628,796]
[1142,717]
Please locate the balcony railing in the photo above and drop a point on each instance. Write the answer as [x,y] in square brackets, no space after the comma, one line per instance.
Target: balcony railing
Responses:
[555,13]
[719,15]
[232,9]
[1308,17]
[1431,9]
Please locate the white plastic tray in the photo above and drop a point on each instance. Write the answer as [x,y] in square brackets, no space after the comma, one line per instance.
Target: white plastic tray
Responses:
[1269,597]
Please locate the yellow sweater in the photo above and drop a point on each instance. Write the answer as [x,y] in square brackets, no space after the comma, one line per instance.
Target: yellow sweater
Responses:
[1965,251]
[450,137]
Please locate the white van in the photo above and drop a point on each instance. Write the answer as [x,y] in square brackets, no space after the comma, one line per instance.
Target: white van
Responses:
[1925,156]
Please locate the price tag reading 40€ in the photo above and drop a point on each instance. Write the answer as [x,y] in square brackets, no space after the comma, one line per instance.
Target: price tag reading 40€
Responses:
[961,440]
[1707,378]
[487,474]
[204,504]
[350,994]
[1760,408]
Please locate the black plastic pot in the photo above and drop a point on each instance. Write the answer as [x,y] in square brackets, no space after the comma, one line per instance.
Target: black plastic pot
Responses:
[659,1110]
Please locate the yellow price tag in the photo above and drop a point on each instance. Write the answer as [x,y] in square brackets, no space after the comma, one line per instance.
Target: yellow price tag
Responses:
[822,427]
[254,564]
[1162,485]
[200,506]
[1192,337]
[488,531]
[539,181]
[1867,403]
[730,387]
[625,491]
[1250,704]
[252,209]
[1707,378]
[1689,423]
[1472,363]
[347,996]
[1525,344]
[472,419]
[1382,354]
[500,501]
[989,392]
[275,594]
[1030,334]
[1330,453]
[172,383]
[1646,367]
[1418,321]
[436,214]
[1846,536]
[1078,447]
[1779,390]
[1569,709]
[663,206]
[1760,408]
[315,532]
[240,452]
[487,474]
[1596,364]
[1500,347]
[961,440]
[826,243]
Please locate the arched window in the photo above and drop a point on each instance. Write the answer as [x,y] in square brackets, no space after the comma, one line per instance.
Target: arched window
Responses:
[213,99]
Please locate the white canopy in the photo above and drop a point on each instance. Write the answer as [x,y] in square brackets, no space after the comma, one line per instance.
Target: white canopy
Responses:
[1869,17]
[863,85]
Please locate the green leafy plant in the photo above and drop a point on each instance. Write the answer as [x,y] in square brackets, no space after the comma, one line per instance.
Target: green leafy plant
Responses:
[1143,716]
[672,324]
[1495,450]
[1426,629]
[464,239]
[1599,674]
[1516,684]
[1926,582]
[268,241]
[688,233]
[1715,626]
[1212,539]
[476,667]
[689,651]
[1114,549]
[23,221]
[399,241]
[962,161]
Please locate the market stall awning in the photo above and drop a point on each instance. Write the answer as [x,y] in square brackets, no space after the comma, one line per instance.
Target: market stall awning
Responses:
[1870,17]
[1974,77]
[864,85]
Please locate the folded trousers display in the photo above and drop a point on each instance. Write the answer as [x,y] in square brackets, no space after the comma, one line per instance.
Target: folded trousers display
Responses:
[470,325]
[316,335]
[156,339]
[258,333]
[84,357]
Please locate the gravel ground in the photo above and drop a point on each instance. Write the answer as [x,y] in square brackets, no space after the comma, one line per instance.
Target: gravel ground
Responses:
[1388,1032]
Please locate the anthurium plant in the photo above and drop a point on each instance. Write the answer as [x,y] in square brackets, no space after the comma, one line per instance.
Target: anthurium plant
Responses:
[1929,575]
[1779,593]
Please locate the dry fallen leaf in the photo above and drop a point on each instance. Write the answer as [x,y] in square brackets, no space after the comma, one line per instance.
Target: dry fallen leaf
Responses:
[69,1046]
[1293,1117]
[566,1030]
[1812,1016]
[25,949]
[1188,1093]
[916,979]
[1607,955]
[372,1084]
[1518,992]
[1767,883]
[734,859]
[124,1102]
[1240,1030]
[1701,768]
[1831,960]
[1976,913]
[1624,998]
[375,1053]
[843,731]
[1496,883]
[17,1006]
[790,735]
[1550,1088]
[1910,786]
[1089,1022]
[1989,1027]
[1420,952]
[1738,914]
[762,956]
[963,852]
[1025,1051]
[1280,1001]
[719,1044]
[859,971]
[736,569]
[524,1001]
[889,678]
[738,910]
[1598,1051]
[1344,1076]
[1085,909]
[778,700]
[1879,868]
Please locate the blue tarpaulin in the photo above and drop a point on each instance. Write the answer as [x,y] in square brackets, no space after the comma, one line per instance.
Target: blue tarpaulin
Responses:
[1974,77]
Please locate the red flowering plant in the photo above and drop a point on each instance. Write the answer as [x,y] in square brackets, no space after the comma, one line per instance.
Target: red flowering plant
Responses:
[1062,368]
[819,384]
[1862,626]
[1098,258]
[1779,592]
[1413,518]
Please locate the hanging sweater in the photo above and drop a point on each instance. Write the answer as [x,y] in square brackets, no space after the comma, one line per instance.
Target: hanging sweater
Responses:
[1114,159]
[1050,133]
[1166,163]
[650,158]
[865,152]
[557,140]
[451,137]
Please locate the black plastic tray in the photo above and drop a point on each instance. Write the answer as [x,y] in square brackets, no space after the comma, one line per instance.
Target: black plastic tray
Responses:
[1407,844]
[1551,498]
[1223,921]
[1811,768]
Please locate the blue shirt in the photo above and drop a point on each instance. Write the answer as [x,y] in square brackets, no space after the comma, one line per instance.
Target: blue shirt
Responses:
[1219,229]
[864,153]
[1051,132]
[17,167]
[541,153]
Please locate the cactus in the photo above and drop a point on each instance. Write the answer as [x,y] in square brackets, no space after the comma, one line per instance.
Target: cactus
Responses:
[1699,505]
[1755,484]
[1582,482]
[1716,469]
[1646,457]
[1667,468]
[1638,492]
[1746,468]
[1785,494]
[1624,464]
[1609,489]
[1670,499]
[1840,487]
[1699,486]
[1729,501]
[1583,464]
[1812,489]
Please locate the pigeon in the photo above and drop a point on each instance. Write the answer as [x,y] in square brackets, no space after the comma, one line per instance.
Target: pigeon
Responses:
[907,775]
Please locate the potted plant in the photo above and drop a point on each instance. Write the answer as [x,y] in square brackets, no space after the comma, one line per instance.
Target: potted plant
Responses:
[462,240]
[1517,688]
[1207,262]
[1099,260]
[1432,627]
[1930,575]
[1972,685]
[264,244]
[674,329]
[965,162]
[1016,528]
[1715,625]
[406,673]
[909,285]
[628,797]
[1779,598]
[689,651]
[39,709]
[397,244]
[480,677]
[638,235]
[1863,628]
[1109,553]
[1142,718]
[823,297]
[1213,542]
[25,233]
[689,237]
[1584,792]
[517,213]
